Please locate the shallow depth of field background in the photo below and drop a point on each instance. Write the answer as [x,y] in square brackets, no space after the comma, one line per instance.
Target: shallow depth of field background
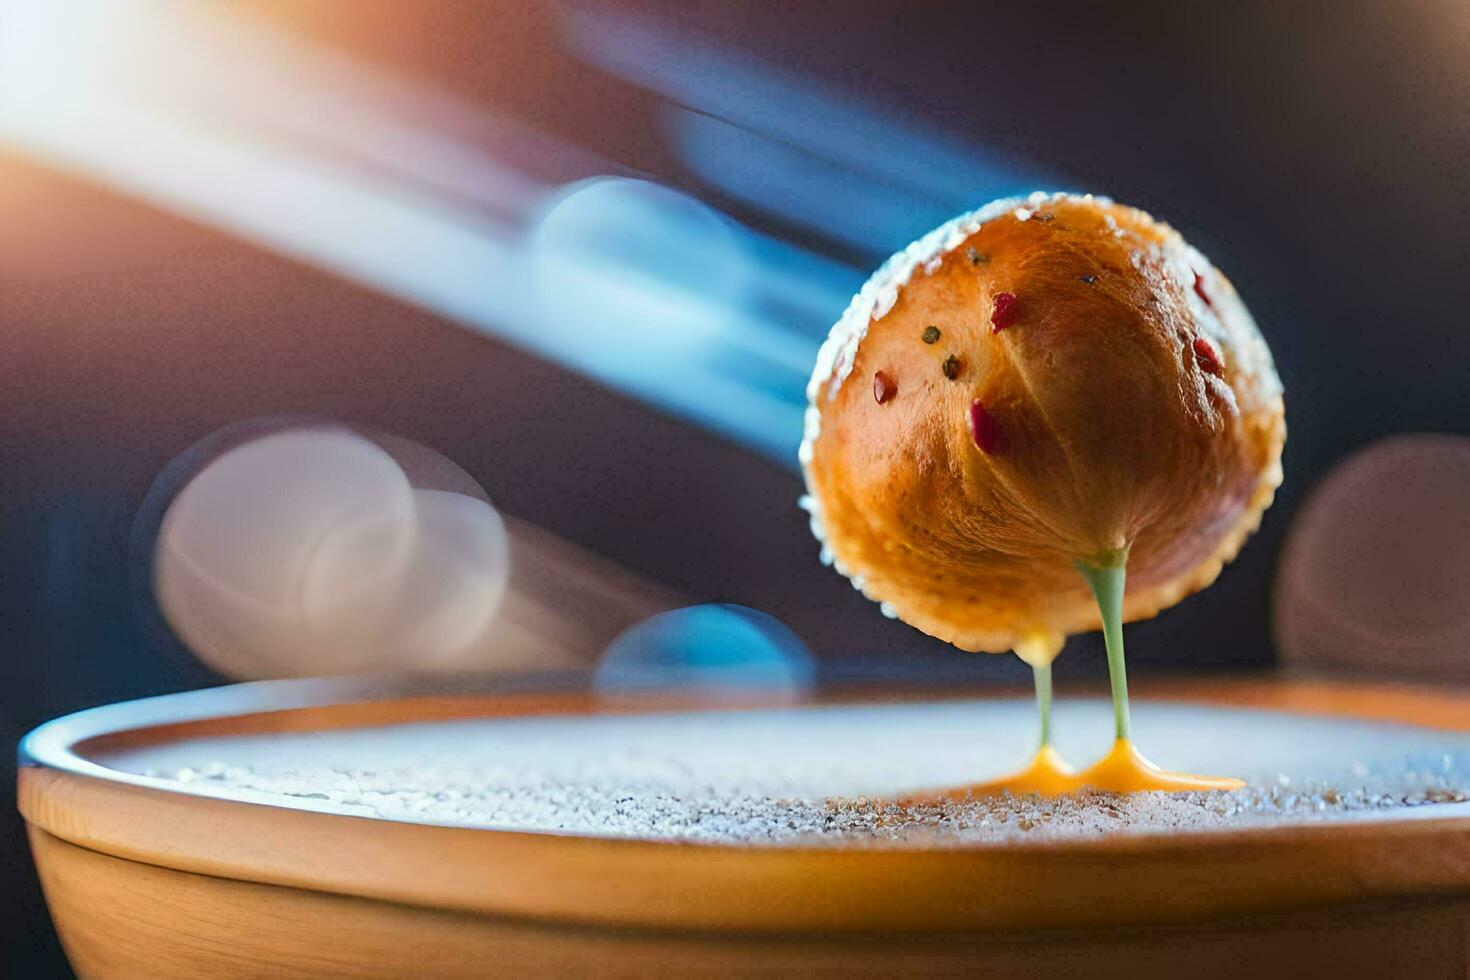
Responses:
[586,251]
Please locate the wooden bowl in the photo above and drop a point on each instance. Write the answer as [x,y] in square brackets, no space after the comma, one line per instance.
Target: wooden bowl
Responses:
[150,877]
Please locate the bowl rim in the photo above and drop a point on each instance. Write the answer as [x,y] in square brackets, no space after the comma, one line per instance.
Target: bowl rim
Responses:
[640,882]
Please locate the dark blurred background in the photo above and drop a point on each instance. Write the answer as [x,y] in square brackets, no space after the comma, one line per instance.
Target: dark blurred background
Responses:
[587,251]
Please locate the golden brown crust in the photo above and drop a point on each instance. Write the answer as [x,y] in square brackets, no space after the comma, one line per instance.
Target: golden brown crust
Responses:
[1111,431]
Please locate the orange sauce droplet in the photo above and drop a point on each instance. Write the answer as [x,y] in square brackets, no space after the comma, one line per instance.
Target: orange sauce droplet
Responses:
[1125,770]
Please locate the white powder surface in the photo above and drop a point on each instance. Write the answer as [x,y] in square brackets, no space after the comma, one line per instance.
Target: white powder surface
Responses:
[824,776]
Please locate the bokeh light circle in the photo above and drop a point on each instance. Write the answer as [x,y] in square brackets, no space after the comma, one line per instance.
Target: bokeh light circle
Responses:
[307,548]
[1375,572]
[621,262]
[709,650]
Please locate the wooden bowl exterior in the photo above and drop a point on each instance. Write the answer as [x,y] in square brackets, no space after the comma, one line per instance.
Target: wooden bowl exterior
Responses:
[147,881]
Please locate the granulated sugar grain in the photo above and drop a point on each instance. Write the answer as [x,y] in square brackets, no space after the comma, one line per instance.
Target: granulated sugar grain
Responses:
[826,777]
[494,799]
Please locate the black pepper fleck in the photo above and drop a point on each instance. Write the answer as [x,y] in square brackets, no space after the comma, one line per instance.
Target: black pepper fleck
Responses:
[931,335]
[952,366]
[976,256]
[1089,279]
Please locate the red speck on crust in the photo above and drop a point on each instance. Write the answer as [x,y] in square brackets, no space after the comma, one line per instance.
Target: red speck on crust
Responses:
[1004,313]
[1199,289]
[1208,360]
[983,428]
[883,388]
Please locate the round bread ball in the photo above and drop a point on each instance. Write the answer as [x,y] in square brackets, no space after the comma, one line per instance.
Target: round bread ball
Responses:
[1042,382]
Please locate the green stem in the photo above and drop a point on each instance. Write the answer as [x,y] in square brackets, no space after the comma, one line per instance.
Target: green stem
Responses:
[1042,675]
[1107,583]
